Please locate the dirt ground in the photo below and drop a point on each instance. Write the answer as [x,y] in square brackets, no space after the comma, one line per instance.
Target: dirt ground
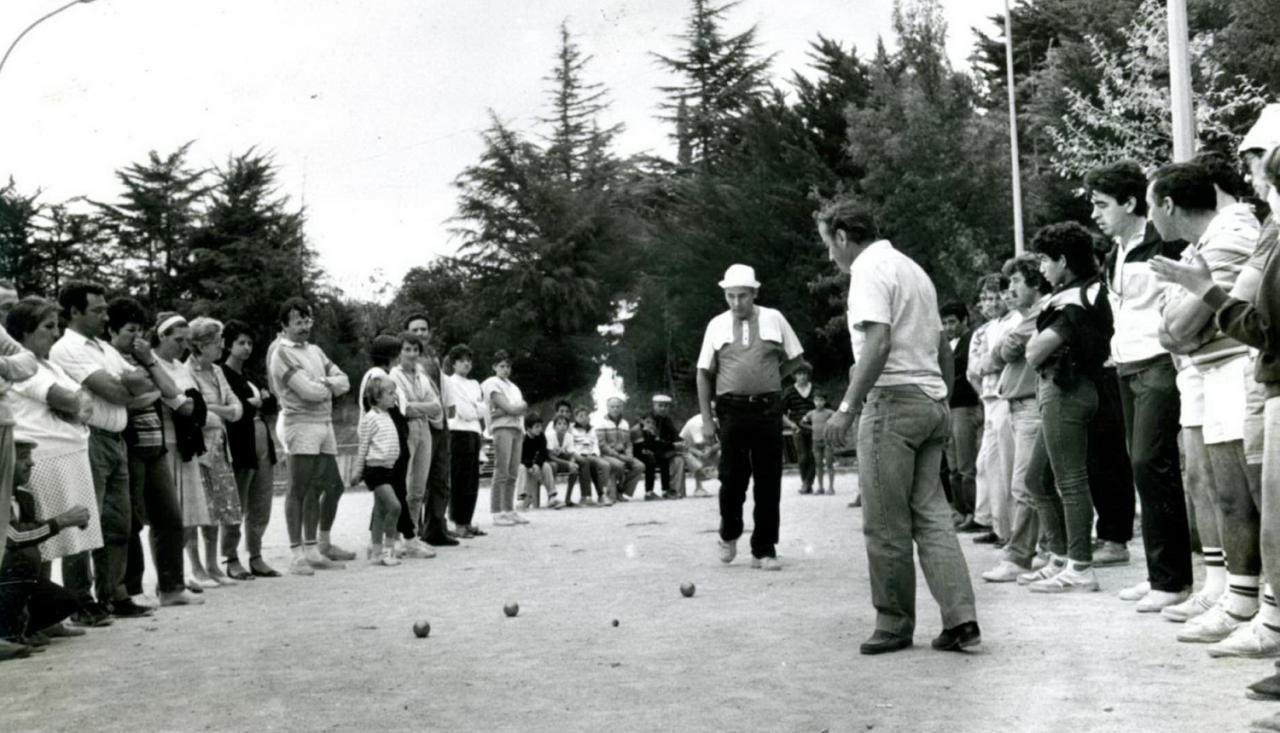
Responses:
[751,651]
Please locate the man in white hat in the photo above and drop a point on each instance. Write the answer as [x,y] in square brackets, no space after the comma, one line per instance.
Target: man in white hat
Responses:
[746,351]
[903,371]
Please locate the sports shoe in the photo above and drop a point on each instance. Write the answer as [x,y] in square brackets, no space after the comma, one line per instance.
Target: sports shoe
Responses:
[1158,600]
[142,599]
[517,518]
[1044,573]
[766,563]
[701,493]
[1108,553]
[1039,561]
[555,504]
[337,554]
[503,519]
[1188,609]
[126,608]
[1005,572]
[416,549]
[1211,626]
[728,551]
[607,501]
[388,558]
[1254,640]
[321,561]
[587,502]
[300,566]
[1135,592]
[1067,581]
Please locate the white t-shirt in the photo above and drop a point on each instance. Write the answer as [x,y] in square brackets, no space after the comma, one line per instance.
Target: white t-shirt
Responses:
[691,433]
[886,286]
[468,402]
[54,435]
[508,389]
[81,356]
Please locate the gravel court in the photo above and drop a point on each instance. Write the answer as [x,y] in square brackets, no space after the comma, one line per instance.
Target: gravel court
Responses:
[751,650]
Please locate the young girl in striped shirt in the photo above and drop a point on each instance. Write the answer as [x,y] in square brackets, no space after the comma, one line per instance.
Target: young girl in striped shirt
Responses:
[379,448]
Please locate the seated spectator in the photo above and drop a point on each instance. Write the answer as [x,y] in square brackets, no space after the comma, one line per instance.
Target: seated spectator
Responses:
[699,456]
[536,468]
[614,434]
[658,444]
[562,458]
[565,410]
[30,603]
[591,467]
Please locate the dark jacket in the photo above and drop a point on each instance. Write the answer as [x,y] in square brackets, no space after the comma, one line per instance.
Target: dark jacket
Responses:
[189,429]
[963,393]
[22,558]
[241,435]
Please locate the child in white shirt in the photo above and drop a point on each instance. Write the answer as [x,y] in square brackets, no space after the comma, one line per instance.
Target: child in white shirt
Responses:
[379,448]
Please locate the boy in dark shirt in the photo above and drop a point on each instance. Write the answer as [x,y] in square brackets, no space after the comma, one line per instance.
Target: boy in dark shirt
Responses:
[538,470]
[28,603]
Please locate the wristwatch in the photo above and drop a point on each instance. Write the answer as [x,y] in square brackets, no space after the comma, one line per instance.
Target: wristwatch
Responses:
[845,408]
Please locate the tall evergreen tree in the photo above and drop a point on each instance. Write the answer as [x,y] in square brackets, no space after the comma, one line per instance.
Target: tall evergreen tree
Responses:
[720,76]
[19,260]
[576,142]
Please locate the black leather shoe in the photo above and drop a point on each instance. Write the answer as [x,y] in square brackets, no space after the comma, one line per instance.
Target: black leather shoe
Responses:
[986,538]
[441,540]
[1267,688]
[973,527]
[882,642]
[958,638]
[126,608]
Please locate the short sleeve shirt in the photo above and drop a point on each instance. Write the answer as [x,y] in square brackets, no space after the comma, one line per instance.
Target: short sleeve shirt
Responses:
[747,355]
[80,356]
[886,286]
[508,389]
[54,435]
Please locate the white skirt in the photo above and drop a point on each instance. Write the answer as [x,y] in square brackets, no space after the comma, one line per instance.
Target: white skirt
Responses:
[59,484]
[188,481]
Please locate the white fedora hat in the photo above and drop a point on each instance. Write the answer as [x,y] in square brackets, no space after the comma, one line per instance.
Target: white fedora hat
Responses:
[740,276]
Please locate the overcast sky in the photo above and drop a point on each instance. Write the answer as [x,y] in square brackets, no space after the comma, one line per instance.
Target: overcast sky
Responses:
[370,107]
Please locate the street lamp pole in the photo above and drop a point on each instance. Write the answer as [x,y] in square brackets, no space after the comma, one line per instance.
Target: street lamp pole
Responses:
[1184,115]
[38,21]
[1018,238]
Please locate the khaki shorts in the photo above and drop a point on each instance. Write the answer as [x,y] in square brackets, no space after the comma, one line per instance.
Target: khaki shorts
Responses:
[309,439]
[1191,392]
[1224,400]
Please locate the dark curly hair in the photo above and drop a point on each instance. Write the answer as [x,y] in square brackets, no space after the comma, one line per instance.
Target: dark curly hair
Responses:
[1070,240]
[1029,267]
[1121,181]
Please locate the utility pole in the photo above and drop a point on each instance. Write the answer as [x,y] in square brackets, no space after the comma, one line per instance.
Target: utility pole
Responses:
[1184,116]
[1018,240]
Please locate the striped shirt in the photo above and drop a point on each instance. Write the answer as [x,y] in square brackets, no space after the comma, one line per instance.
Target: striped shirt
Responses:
[379,444]
[797,405]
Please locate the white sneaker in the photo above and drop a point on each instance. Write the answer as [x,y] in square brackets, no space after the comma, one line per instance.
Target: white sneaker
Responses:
[1005,572]
[146,601]
[388,558]
[1135,592]
[517,518]
[766,563]
[373,554]
[1039,561]
[1067,581]
[1188,609]
[416,549]
[1044,573]
[1158,600]
[1211,626]
[728,551]
[502,519]
[300,566]
[1253,640]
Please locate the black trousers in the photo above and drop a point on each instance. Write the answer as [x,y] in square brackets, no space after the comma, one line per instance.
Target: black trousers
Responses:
[155,502]
[464,474]
[804,456]
[658,464]
[750,449]
[437,486]
[1110,471]
[32,604]
[1151,409]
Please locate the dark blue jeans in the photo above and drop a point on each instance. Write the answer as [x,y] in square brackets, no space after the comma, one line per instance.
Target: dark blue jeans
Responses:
[750,448]
[1063,505]
[1151,406]
[900,443]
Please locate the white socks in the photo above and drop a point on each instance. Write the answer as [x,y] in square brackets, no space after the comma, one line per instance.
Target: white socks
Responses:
[1215,573]
[1242,595]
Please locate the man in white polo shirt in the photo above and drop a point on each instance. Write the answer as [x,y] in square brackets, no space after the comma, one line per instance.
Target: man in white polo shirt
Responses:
[903,371]
[111,385]
[746,351]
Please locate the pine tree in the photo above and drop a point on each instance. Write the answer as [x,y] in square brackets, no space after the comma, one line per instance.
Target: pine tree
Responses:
[720,78]
[576,143]
[20,262]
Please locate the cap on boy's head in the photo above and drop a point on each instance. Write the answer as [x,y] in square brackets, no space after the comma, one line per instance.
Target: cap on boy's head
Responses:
[24,443]
[804,367]
[661,399]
